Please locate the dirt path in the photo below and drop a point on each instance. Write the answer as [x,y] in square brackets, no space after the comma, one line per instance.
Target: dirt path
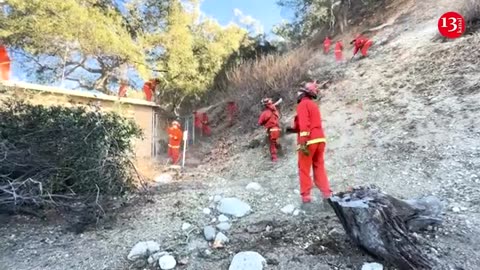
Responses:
[405,119]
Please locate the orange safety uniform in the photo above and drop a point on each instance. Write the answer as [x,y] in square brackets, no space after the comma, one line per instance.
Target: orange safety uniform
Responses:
[308,125]
[206,131]
[149,88]
[122,91]
[361,44]
[197,120]
[270,120]
[175,137]
[326,45]
[231,112]
[4,64]
[339,51]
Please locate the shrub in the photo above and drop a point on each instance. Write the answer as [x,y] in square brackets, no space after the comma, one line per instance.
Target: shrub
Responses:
[269,76]
[52,153]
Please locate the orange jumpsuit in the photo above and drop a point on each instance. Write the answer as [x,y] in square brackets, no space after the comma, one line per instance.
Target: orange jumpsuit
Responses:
[149,89]
[122,92]
[205,125]
[269,119]
[326,45]
[175,135]
[231,112]
[308,125]
[361,44]
[339,51]
[4,64]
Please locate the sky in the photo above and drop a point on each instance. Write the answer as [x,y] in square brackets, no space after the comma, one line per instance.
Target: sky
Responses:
[258,16]
[261,15]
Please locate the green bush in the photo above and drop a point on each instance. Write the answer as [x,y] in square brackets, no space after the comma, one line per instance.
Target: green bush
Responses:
[50,152]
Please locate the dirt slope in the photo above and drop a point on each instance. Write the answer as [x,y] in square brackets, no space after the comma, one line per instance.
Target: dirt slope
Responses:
[405,119]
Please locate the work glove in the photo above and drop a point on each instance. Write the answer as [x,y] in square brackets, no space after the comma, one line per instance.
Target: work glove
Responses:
[290,130]
[304,149]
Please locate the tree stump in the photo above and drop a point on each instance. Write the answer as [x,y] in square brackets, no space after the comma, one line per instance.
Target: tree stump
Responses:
[382,225]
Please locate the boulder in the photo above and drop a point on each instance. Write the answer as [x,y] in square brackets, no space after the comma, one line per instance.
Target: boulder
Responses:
[254,186]
[248,260]
[234,207]
[209,233]
[143,250]
[167,262]
[224,226]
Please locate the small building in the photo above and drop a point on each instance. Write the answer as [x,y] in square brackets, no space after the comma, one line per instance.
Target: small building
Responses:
[147,115]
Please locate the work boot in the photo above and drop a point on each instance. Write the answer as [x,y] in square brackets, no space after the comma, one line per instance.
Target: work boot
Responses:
[308,207]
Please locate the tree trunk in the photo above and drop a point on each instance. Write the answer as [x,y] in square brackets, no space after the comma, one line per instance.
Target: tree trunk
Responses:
[381,225]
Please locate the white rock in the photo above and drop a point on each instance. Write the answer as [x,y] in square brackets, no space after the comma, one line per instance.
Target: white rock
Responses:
[207,211]
[143,250]
[254,186]
[224,226]
[217,198]
[233,207]
[372,266]
[456,209]
[296,212]
[167,262]
[156,256]
[248,260]
[222,218]
[209,233]
[296,191]
[186,226]
[164,178]
[288,209]
[221,238]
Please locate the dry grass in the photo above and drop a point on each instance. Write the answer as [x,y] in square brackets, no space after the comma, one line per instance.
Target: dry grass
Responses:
[471,11]
[269,76]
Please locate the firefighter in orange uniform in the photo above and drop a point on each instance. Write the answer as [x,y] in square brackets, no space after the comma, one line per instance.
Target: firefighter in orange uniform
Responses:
[4,64]
[339,51]
[206,131]
[122,91]
[326,45]
[311,143]
[362,44]
[231,112]
[175,135]
[149,88]
[270,120]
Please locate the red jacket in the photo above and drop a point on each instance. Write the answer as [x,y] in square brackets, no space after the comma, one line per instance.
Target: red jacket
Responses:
[4,58]
[338,46]
[358,44]
[308,121]
[269,117]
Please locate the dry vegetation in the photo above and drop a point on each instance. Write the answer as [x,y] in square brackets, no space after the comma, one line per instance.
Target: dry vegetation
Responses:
[269,76]
[471,12]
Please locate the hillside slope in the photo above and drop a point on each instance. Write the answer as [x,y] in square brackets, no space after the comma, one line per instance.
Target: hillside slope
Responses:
[405,119]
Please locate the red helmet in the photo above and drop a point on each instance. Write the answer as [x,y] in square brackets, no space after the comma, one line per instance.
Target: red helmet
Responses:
[267,101]
[310,88]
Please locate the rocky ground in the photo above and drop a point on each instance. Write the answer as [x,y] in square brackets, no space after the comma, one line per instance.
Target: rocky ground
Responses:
[405,119]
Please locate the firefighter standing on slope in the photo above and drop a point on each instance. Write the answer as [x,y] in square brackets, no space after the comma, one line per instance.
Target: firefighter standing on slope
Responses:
[149,88]
[175,136]
[326,45]
[339,51]
[4,64]
[311,144]
[206,131]
[362,44]
[270,120]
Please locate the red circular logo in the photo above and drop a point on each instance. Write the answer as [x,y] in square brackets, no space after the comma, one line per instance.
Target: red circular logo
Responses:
[451,25]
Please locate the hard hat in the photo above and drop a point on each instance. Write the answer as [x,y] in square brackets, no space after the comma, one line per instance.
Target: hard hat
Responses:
[176,123]
[310,88]
[267,101]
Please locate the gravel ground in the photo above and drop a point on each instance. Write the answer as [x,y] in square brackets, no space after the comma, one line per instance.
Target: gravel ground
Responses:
[405,119]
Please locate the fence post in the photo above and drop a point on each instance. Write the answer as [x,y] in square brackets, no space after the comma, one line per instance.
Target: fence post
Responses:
[185,139]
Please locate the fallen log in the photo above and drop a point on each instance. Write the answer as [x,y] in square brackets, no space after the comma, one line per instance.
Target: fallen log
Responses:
[382,225]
